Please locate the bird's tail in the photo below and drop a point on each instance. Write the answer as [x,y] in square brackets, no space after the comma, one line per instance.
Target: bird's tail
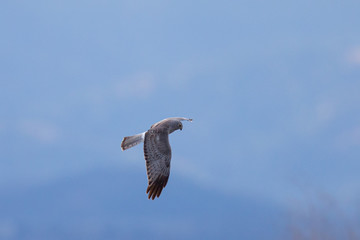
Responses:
[131,141]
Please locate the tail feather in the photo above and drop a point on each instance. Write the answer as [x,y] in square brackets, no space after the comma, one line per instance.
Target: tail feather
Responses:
[131,141]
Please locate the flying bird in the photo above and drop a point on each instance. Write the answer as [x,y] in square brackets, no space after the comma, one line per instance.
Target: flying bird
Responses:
[157,152]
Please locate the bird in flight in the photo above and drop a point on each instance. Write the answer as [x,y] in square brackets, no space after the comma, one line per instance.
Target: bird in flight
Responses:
[157,152]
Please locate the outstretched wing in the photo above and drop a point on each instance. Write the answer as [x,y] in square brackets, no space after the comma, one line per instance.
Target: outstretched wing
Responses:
[157,153]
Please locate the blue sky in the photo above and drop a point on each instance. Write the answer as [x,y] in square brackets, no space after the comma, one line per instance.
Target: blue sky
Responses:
[273,89]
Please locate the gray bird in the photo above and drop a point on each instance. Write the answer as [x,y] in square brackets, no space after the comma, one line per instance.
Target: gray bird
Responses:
[157,152]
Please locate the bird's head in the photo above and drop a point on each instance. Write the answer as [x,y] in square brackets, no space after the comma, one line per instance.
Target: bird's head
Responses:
[175,123]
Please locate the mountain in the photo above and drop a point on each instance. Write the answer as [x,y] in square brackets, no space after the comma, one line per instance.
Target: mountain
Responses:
[112,204]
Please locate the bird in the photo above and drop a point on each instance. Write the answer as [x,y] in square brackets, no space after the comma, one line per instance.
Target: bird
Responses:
[157,152]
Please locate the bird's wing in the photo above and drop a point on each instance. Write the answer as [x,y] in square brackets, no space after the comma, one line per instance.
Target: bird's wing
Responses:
[157,153]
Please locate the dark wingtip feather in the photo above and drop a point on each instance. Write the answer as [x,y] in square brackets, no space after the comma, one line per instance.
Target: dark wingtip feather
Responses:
[159,192]
[156,187]
[123,147]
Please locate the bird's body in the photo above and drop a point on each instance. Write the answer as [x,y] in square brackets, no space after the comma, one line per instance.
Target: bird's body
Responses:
[157,152]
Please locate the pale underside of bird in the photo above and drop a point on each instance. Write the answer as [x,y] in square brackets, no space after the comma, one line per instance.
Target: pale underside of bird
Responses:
[157,152]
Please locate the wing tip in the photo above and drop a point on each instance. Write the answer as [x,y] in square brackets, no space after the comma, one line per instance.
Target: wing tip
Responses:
[123,148]
[155,188]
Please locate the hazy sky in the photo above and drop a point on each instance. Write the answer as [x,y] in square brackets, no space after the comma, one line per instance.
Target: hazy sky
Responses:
[272,86]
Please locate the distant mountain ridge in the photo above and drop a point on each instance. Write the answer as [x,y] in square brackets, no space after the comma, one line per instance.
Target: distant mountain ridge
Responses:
[112,204]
